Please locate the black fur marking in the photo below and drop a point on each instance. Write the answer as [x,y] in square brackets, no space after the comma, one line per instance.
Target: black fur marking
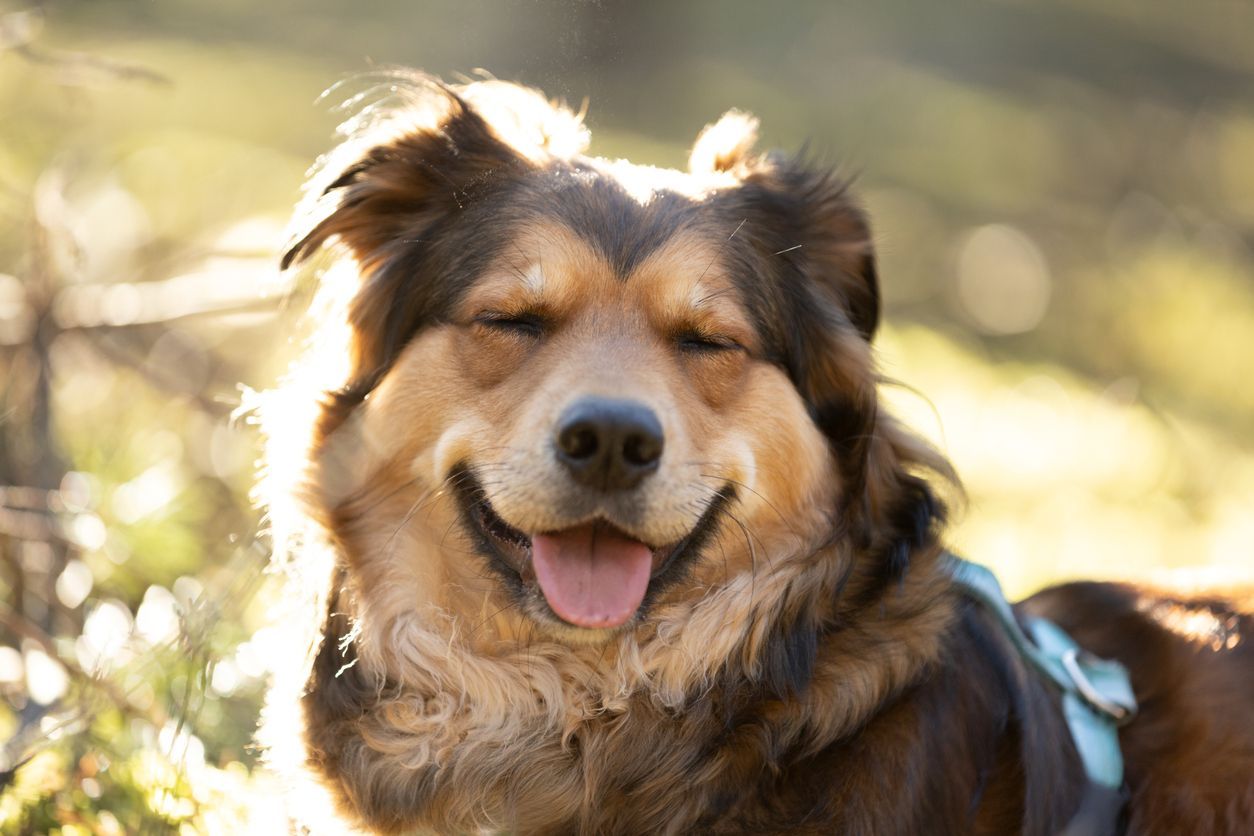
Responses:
[789,659]
[337,689]
[911,525]
[848,421]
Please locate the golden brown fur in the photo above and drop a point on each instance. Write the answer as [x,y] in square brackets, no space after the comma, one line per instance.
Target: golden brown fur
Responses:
[800,662]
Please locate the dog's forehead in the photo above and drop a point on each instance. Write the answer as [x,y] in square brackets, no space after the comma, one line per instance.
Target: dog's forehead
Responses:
[624,220]
[550,264]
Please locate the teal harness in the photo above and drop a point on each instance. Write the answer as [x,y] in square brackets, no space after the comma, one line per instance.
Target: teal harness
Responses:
[1096,693]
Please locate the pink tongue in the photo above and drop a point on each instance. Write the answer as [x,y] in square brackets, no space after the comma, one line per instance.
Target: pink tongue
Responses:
[592,576]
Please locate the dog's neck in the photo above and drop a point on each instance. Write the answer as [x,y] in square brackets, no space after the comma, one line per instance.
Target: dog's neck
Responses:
[540,735]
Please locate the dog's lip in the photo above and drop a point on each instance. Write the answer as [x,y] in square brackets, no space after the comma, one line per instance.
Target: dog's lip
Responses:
[509,548]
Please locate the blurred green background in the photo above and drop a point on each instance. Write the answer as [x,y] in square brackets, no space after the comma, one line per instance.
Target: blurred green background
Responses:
[1063,198]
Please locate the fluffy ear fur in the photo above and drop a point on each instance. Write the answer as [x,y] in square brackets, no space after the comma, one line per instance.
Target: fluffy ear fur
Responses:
[724,145]
[833,238]
[384,189]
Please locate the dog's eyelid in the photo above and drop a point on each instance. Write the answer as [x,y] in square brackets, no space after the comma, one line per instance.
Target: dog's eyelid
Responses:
[696,340]
[510,315]
[530,322]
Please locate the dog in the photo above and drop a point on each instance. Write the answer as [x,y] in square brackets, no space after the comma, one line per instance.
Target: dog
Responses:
[602,527]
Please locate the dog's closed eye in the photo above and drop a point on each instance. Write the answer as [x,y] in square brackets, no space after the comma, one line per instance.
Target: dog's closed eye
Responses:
[696,341]
[524,323]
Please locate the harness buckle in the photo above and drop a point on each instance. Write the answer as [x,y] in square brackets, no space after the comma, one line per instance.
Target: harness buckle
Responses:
[1092,694]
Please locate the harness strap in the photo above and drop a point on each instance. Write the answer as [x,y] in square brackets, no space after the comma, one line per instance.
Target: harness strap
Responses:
[1097,693]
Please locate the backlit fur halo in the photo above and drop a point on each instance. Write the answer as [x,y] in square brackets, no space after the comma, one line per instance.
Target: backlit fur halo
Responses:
[529,729]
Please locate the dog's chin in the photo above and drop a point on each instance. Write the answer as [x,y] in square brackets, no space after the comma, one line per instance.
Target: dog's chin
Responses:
[510,553]
[552,627]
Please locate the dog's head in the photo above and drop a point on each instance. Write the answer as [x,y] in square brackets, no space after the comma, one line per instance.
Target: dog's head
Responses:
[582,391]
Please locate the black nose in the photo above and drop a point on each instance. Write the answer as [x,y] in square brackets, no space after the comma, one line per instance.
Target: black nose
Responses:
[609,444]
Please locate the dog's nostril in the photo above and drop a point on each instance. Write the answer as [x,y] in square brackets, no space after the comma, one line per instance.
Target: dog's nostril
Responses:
[642,449]
[609,444]
[578,441]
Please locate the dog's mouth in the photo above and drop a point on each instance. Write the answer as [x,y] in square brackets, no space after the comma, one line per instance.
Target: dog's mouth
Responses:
[593,575]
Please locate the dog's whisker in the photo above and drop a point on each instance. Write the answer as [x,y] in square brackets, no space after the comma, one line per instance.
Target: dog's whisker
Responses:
[739,484]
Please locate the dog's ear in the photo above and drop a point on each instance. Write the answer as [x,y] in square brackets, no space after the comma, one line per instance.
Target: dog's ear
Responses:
[826,234]
[806,210]
[392,180]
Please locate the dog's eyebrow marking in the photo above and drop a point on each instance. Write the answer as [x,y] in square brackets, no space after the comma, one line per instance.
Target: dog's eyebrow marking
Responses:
[533,278]
[699,298]
[698,295]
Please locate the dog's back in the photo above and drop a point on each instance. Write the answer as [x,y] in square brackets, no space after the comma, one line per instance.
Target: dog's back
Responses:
[1190,750]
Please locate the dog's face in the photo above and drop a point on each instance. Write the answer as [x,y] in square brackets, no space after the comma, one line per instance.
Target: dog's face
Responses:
[582,392]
